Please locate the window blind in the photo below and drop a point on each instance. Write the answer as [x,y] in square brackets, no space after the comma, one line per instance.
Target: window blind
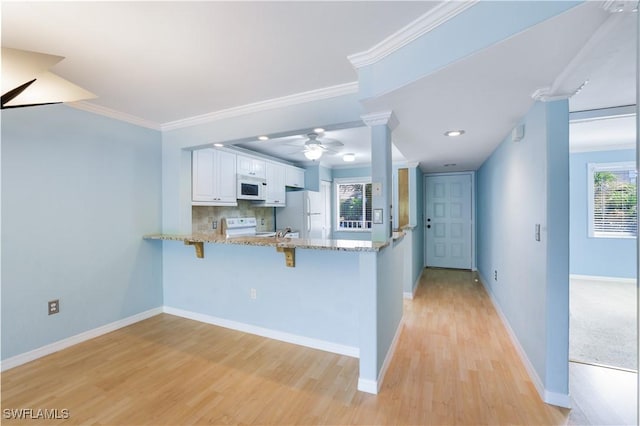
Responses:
[354,206]
[614,203]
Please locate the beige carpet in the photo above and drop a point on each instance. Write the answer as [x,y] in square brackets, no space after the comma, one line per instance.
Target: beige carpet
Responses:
[603,325]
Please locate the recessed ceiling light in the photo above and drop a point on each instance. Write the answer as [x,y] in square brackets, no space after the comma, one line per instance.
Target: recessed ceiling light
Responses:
[218,144]
[263,138]
[318,130]
[450,164]
[349,157]
[454,133]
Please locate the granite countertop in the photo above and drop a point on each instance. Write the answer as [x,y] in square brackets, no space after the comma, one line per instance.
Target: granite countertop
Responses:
[303,243]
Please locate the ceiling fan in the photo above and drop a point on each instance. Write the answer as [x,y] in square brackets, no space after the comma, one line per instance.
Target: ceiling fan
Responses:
[27,82]
[313,148]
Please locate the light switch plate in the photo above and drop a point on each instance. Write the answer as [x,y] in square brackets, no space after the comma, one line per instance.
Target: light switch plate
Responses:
[377,216]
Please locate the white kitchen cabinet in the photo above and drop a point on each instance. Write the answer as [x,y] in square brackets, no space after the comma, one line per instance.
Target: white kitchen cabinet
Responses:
[213,178]
[294,177]
[276,193]
[251,167]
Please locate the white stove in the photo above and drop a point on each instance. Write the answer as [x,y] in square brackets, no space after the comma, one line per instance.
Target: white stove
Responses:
[244,227]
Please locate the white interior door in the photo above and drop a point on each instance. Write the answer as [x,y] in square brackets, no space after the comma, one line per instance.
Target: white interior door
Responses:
[448,220]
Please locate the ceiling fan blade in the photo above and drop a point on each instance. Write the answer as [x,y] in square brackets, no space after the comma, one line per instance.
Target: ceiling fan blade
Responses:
[8,97]
[330,142]
[299,144]
[330,151]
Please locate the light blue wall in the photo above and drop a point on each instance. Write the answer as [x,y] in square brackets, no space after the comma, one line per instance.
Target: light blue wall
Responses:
[312,178]
[389,296]
[556,380]
[314,174]
[353,172]
[325,173]
[516,191]
[79,191]
[418,233]
[323,300]
[604,257]
[379,307]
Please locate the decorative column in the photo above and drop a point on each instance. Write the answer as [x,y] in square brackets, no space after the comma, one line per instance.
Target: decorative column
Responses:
[381,124]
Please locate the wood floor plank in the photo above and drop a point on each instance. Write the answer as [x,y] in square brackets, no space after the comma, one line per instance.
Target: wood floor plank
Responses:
[454,364]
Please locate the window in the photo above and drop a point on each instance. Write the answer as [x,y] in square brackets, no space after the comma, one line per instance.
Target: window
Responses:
[612,200]
[353,205]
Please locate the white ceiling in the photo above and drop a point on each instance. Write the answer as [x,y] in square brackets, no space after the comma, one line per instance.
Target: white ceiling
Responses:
[356,141]
[166,61]
[603,134]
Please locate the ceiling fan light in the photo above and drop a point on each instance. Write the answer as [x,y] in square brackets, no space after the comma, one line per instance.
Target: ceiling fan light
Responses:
[313,154]
[349,157]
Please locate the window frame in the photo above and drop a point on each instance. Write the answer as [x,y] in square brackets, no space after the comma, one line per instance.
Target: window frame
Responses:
[348,181]
[592,168]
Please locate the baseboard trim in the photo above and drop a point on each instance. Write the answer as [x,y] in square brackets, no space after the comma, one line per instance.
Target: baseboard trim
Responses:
[602,279]
[368,386]
[42,351]
[374,386]
[266,332]
[558,399]
[412,294]
[553,398]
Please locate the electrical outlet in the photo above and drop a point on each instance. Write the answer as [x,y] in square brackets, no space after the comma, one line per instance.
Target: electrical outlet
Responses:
[54,306]
[495,275]
[215,224]
[254,294]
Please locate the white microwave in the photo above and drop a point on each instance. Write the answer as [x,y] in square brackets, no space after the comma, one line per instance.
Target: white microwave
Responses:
[251,188]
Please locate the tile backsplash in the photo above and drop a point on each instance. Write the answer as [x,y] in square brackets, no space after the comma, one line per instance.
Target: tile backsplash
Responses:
[204,216]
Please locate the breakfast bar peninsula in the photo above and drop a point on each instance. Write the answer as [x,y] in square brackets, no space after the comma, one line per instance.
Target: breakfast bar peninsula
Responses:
[341,296]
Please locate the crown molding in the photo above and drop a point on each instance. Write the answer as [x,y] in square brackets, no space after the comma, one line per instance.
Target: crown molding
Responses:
[602,114]
[618,6]
[111,113]
[576,148]
[432,19]
[295,99]
[380,118]
[547,94]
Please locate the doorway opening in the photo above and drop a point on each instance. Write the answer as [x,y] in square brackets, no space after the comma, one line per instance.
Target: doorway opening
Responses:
[603,343]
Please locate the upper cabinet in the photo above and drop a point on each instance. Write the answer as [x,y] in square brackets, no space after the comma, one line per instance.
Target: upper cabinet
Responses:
[294,177]
[251,167]
[213,178]
[275,194]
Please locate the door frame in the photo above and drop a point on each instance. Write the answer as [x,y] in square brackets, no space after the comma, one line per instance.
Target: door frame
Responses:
[473,213]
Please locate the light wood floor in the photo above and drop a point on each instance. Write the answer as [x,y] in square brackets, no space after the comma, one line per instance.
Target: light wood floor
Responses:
[602,396]
[454,365]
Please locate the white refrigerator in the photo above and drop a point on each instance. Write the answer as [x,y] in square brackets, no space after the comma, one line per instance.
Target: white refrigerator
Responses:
[304,212]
